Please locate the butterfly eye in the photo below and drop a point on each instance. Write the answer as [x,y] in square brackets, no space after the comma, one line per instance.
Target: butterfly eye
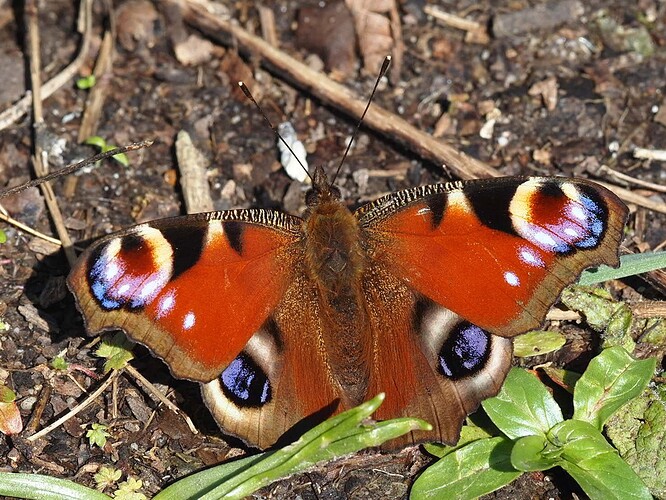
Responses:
[245,383]
[312,197]
[335,193]
[465,351]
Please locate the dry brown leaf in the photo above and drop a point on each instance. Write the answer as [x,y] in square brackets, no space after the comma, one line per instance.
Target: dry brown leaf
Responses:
[135,21]
[547,89]
[329,32]
[238,71]
[379,34]
[194,50]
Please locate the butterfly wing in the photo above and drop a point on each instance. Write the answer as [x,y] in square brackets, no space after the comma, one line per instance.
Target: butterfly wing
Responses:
[280,385]
[498,252]
[429,362]
[459,268]
[193,289]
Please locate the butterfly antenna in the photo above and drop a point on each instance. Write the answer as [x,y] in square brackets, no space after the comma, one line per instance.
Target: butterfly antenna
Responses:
[382,72]
[247,93]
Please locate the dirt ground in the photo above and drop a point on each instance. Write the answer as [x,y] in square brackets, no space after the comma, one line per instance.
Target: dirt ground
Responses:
[565,93]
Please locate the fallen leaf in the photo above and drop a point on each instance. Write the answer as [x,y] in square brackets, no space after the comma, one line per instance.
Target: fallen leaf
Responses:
[135,22]
[194,50]
[379,34]
[547,90]
[329,33]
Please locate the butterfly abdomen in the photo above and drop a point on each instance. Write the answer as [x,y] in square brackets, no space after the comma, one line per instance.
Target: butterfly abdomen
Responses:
[335,263]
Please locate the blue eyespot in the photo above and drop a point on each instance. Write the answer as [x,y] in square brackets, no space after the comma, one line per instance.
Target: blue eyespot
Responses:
[465,351]
[245,383]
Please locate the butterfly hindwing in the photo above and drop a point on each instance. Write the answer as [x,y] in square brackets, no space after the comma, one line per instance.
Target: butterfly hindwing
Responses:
[498,252]
[430,362]
[282,380]
[193,289]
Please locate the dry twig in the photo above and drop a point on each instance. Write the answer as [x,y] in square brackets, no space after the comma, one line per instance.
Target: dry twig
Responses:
[74,411]
[21,107]
[158,395]
[40,160]
[201,15]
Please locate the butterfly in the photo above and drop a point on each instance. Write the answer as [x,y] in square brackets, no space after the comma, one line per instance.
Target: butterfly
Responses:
[285,320]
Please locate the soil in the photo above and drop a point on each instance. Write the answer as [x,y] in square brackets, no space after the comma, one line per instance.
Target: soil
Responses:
[566,95]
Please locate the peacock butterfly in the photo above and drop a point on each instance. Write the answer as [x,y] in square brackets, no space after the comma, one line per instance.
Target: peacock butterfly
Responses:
[284,319]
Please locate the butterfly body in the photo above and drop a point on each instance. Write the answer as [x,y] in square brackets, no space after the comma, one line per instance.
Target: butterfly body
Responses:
[286,321]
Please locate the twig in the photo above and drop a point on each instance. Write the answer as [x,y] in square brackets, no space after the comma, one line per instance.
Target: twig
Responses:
[649,309]
[631,197]
[76,166]
[267,21]
[451,19]
[650,154]
[633,180]
[38,410]
[97,95]
[192,166]
[560,315]
[200,14]
[40,160]
[157,394]
[29,230]
[22,106]
[81,406]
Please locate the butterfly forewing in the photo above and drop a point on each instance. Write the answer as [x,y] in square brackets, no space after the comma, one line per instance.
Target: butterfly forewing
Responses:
[193,289]
[497,252]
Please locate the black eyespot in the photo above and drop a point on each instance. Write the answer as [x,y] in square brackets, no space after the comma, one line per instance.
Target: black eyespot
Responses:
[465,351]
[244,383]
[131,242]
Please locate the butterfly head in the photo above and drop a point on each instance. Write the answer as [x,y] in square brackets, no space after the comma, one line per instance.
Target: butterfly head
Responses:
[322,190]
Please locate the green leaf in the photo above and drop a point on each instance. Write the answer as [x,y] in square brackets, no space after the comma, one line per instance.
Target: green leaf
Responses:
[39,487]
[477,469]
[59,363]
[630,265]
[340,435]
[3,237]
[468,434]
[97,435]
[537,342]
[117,350]
[523,407]
[611,380]
[6,394]
[534,453]
[639,434]
[120,157]
[101,143]
[86,82]
[564,378]
[595,464]
[128,490]
[95,140]
[106,477]
[654,331]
